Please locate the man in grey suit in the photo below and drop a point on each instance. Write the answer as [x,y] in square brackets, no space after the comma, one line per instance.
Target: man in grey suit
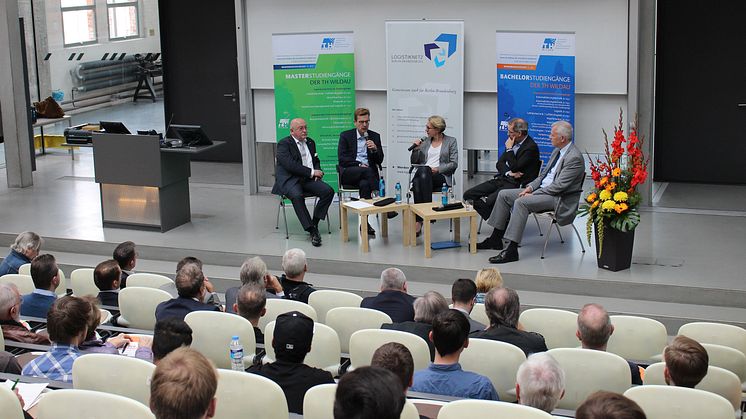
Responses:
[564,173]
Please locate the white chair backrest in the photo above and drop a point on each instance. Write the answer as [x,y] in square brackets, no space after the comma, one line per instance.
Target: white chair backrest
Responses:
[730,359]
[461,409]
[137,306]
[212,332]
[318,403]
[266,398]
[24,282]
[409,411]
[557,326]
[499,361]
[86,404]
[62,288]
[9,404]
[325,349]
[638,338]
[148,280]
[666,402]
[479,314]
[324,300]
[105,315]
[717,333]
[718,380]
[363,343]
[82,282]
[2,342]
[588,371]
[348,320]
[277,306]
[114,374]
[25,269]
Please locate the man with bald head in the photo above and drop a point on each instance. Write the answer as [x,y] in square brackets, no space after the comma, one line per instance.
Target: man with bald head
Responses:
[594,331]
[298,172]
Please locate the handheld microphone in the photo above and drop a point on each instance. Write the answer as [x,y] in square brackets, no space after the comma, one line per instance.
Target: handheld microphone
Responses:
[413,146]
[365,135]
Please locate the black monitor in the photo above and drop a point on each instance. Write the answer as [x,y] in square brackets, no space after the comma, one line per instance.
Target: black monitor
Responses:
[191,135]
[114,127]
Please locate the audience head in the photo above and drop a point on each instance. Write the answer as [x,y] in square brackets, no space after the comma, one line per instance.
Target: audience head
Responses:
[292,337]
[253,271]
[107,274]
[94,316]
[294,263]
[519,125]
[369,393]
[540,382]
[251,302]
[503,307]
[450,332]
[126,255]
[188,259]
[686,362]
[428,306]
[190,282]
[594,327]
[607,405]
[44,272]
[487,279]
[393,279]
[437,122]
[464,293]
[183,386]
[170,334]
[10,302]
[396,358]
[27,243]
[67,320]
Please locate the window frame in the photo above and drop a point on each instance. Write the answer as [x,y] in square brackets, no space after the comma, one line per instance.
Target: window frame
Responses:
[131,3]
[92,8]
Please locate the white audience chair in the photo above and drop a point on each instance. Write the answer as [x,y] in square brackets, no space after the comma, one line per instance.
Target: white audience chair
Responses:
[25,269]
[461,409]
[325,349]
[730,359]
[2,342]
[114,374]
[9,404]
[86,404]
[637,338]
[277,306]
[409,411]
[81,281]
[348,320]
[557,326]
[243,395]
[479,314]
[717,333]
[364,343]
[62,288]
[588,371]
[324,300]
[137,306]
[667,402]
[212,332]
[24,282]
[718,380]
[148,280]
[105,315]
[499,361]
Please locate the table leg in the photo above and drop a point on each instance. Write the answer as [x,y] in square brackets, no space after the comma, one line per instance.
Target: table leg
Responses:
[473,234]
[384,217]
[364,232]
[457,229]
[426,226]
[405,226]
[412,225]
[343,221]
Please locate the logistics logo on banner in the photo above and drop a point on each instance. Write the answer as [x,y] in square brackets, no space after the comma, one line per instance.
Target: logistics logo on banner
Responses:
[327,43]
[443,47]
[548,44]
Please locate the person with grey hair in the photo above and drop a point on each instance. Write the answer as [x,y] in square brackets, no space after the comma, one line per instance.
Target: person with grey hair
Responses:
[22,251]
[540,382]
[564,173]
[190,284]
[10,318]
[254,271]
[295,267]
[425,309]
[393,298]
[503,308]
[251,304]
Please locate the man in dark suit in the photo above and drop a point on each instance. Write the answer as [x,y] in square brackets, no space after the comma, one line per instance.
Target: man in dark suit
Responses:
[107,276]
[298,171]
[46,277]
[393,298]
[190,284]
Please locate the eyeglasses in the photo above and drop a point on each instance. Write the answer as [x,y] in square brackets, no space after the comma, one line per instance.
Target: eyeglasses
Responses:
[429,127]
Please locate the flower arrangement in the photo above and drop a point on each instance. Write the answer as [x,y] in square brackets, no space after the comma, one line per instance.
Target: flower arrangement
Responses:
[616,176]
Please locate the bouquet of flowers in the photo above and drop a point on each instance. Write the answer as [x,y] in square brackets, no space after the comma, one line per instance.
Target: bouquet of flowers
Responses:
[614,198]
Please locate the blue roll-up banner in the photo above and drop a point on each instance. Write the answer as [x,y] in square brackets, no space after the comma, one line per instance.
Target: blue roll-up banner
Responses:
[536,82]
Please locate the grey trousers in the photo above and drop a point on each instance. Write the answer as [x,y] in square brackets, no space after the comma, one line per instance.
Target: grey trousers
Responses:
[522,207]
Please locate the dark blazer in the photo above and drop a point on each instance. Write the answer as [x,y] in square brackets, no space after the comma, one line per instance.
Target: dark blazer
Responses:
[289,169]
[529,342]
[397,304]
[109,298]
[36,305]
[180,307]
[526,160]
[416,328]
[347,149]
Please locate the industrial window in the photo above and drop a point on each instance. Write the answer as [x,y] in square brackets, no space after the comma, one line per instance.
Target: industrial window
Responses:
[123,19]
[78,22]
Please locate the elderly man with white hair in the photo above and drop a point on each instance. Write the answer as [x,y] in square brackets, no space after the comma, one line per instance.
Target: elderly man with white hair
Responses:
[10,318]
[540,382]
[294,266]
[22,251]
[254,271]
[393,298]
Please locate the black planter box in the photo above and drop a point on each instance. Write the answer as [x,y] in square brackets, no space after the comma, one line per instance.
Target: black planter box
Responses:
[617,251]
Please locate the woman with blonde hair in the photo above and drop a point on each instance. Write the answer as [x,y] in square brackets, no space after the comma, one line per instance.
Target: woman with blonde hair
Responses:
[487,279]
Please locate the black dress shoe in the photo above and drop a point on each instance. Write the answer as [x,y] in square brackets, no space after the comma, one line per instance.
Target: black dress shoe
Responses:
[371,230]
[315,238]
[505,256]
[391,214]
[490,244]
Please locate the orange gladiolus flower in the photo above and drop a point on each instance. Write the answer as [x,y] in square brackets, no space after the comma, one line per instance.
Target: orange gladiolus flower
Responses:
[595,204]
[592,197]
[603,181]
[610,187]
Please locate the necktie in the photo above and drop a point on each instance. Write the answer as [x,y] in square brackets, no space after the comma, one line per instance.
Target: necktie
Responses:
[303,154]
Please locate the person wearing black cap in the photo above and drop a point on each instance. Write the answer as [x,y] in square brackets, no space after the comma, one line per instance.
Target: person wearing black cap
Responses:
[292,341]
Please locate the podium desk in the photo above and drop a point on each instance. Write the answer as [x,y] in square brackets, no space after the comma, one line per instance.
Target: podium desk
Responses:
[142,185]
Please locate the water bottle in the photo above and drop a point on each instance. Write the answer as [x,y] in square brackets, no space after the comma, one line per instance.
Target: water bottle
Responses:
[444,195]
[397,190]
[382,188]
[236,354]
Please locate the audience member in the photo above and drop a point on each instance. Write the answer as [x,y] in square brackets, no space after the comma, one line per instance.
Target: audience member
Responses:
[464,296]
[503,308]
[425,309]
[126,256]
[211,297]
[369,393]
[295,267]
[22,251]
[190,284]
[594,331]
[686,362]
[540,382]
[450,335]
[254,271]
[251,304]
[292,341]
[9,364]
[183,386]
[396,358]
[487,279]
[46,279]
[10,318]
[67,325]
[393,298]
[169,335]
[607,405]
[94,344]
[107,276]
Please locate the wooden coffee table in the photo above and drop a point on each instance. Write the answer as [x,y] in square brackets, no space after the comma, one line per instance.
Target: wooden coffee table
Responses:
[364,213]
[425,210]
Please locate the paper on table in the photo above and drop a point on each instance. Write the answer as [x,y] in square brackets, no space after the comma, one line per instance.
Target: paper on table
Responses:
[358,204]
[29,391]
[130,350]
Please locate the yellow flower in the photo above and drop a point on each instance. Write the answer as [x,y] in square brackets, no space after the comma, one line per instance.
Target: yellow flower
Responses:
[592,197]
[620,208]
[610,186]
[608,205]
[616,172]
[620,196]
[604,195]
[603,181]
[595,204]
